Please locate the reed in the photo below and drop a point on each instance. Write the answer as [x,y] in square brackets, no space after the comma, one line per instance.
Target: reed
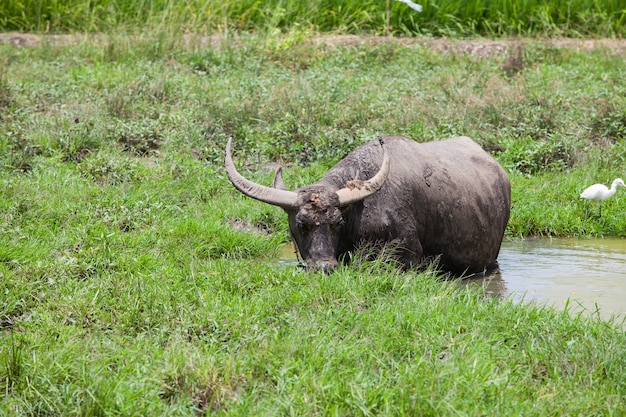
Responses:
[441,17]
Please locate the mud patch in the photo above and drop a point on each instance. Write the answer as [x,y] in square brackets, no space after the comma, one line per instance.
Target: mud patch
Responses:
[244,226]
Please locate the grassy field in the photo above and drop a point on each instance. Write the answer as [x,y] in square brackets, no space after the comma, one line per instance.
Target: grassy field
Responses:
[135,280]
[441,17]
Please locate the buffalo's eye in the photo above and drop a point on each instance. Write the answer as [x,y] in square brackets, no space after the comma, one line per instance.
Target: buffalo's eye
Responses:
[336,219]
[303,227]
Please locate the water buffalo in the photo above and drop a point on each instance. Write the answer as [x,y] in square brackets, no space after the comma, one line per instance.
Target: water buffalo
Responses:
[446,199]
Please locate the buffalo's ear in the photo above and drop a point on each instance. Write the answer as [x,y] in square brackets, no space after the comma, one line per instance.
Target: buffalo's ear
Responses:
[278,182]
[278,179]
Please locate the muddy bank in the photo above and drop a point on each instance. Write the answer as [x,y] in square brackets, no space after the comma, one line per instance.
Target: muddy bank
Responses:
[479,47]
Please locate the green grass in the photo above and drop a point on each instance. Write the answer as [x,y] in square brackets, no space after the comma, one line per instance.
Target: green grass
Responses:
[136,281]
[444,17]
[251,338]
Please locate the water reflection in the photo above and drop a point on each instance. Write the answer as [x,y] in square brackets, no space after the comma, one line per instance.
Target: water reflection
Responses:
[590,273]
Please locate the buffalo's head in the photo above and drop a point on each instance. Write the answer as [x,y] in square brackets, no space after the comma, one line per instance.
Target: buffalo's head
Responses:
[315,211]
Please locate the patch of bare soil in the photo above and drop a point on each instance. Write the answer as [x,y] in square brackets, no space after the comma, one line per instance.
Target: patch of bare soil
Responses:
[478,47]
[31,39]
[244,226]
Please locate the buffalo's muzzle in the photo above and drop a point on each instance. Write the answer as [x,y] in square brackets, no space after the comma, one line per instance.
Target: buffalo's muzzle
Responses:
[326,266]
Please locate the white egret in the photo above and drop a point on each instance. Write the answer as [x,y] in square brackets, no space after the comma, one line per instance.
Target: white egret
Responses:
[600,192]
[416,7]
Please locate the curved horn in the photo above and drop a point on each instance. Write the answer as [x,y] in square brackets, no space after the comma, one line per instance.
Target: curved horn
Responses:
[281,198]
[357,190]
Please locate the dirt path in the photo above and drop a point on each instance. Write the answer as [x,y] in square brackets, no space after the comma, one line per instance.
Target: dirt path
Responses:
[480,47]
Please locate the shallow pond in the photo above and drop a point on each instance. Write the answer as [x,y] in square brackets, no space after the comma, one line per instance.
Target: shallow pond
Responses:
[589,274]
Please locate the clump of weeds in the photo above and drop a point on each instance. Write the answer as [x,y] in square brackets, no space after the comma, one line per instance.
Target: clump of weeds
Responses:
[108,169]
[139,139]
[532,156]
[77,141]
[6,95]
[13,372]
[206,393]
[608,120]
[19,152]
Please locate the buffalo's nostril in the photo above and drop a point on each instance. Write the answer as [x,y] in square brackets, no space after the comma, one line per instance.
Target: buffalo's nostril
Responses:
[326,267]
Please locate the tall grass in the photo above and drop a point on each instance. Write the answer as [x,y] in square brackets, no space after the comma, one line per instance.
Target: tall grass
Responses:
[440,17]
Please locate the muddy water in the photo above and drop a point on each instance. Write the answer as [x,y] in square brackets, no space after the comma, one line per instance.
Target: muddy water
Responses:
[589,274]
